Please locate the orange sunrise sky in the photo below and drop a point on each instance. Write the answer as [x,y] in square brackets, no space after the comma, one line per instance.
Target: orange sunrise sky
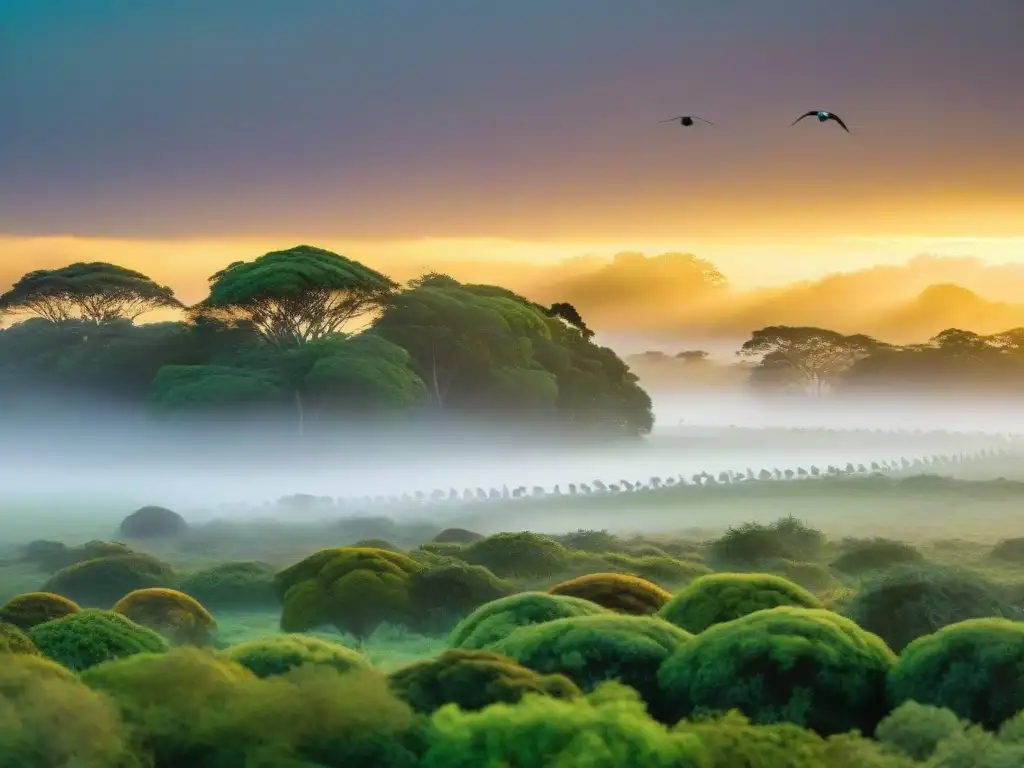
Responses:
[177,137]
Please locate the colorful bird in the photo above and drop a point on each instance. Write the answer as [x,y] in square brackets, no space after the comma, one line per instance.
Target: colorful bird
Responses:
[822,117]
[686,120]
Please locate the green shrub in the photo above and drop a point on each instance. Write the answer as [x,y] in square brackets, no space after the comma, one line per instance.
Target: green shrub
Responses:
[518,555]
[753,543]
[616,592]
[973,668]
[1009,550]
[238,585]
[457,536]
[916,730]
[608,729]
[82,640]
[907,602]
[810,576]
[662,570]
[26,610]
[14,640]
[152,523]
[51,556]
[721,597]
[352,588]
[473,680]
[806,666]
[377,544]
[311,716]
[861,555]
[175,615]
[591,541]
[443,595]
[594,649]
[279,654]
[101,582]
[497,619]
[49,719]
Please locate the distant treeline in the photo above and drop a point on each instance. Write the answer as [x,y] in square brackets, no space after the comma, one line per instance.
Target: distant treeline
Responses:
[809,359]
[274,337]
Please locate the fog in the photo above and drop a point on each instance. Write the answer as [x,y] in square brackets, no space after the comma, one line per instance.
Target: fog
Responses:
[116,459]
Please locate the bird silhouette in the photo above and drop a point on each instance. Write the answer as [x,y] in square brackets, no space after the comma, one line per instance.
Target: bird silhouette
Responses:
[822,117]
[686,120]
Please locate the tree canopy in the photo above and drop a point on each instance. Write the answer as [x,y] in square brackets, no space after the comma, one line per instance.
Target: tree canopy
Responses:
[297,295]
[93,291]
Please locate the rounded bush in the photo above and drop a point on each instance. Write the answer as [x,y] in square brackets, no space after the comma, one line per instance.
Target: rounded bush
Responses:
[810,576]
[473,680]
[660,569]
[875,554]
[721,597]
[377,544]
[173,614]
[593,649]
[907,602]
[245,584]
[457,536]
[353,588]
[806,666]
[915,730]
[101,582]
[51,556]
[443,595]
[1009,550]
[752,544]
[972,668]
[14,640]
[26,610]
[616,592]
[592,541]
[153,523]
[82,640]
[497,619]
[51,719]
[280,654]
[518,555]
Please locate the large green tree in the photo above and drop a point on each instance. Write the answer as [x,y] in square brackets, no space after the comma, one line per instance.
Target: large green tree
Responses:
[94,291]
[296,295]
[808,356]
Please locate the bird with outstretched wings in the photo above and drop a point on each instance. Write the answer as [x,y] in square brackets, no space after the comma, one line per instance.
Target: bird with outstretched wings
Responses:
[822,117]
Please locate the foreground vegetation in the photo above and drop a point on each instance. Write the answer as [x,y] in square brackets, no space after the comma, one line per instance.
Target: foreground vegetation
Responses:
[770,646]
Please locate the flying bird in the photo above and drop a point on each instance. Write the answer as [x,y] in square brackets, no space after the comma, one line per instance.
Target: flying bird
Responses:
[686,120]
[822,117]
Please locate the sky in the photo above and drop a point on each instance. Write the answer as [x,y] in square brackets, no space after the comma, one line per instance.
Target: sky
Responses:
[184,135]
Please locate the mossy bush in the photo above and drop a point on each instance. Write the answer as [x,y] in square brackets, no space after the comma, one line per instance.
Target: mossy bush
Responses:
[616,592]
[721,597]
[518,555]
[26,610]
[178,617]
[473,680]
[51,556]
[152,522]
[101,582]
[82,640]
[442,595]
[916,730]
[810,667]
[233,585]
[661,569]
[14,640]
[377,544]
[457,536]
[225,716]
[752,544]
[607,729]
[280,654]
[352,588]
[588,540]
[811,576]
[973,668]
[1008,550]
[497,619]
[48,718]
[593,649]
[861,555]
[908,602]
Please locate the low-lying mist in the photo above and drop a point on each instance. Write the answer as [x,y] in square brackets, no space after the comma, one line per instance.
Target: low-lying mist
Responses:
[103,454]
